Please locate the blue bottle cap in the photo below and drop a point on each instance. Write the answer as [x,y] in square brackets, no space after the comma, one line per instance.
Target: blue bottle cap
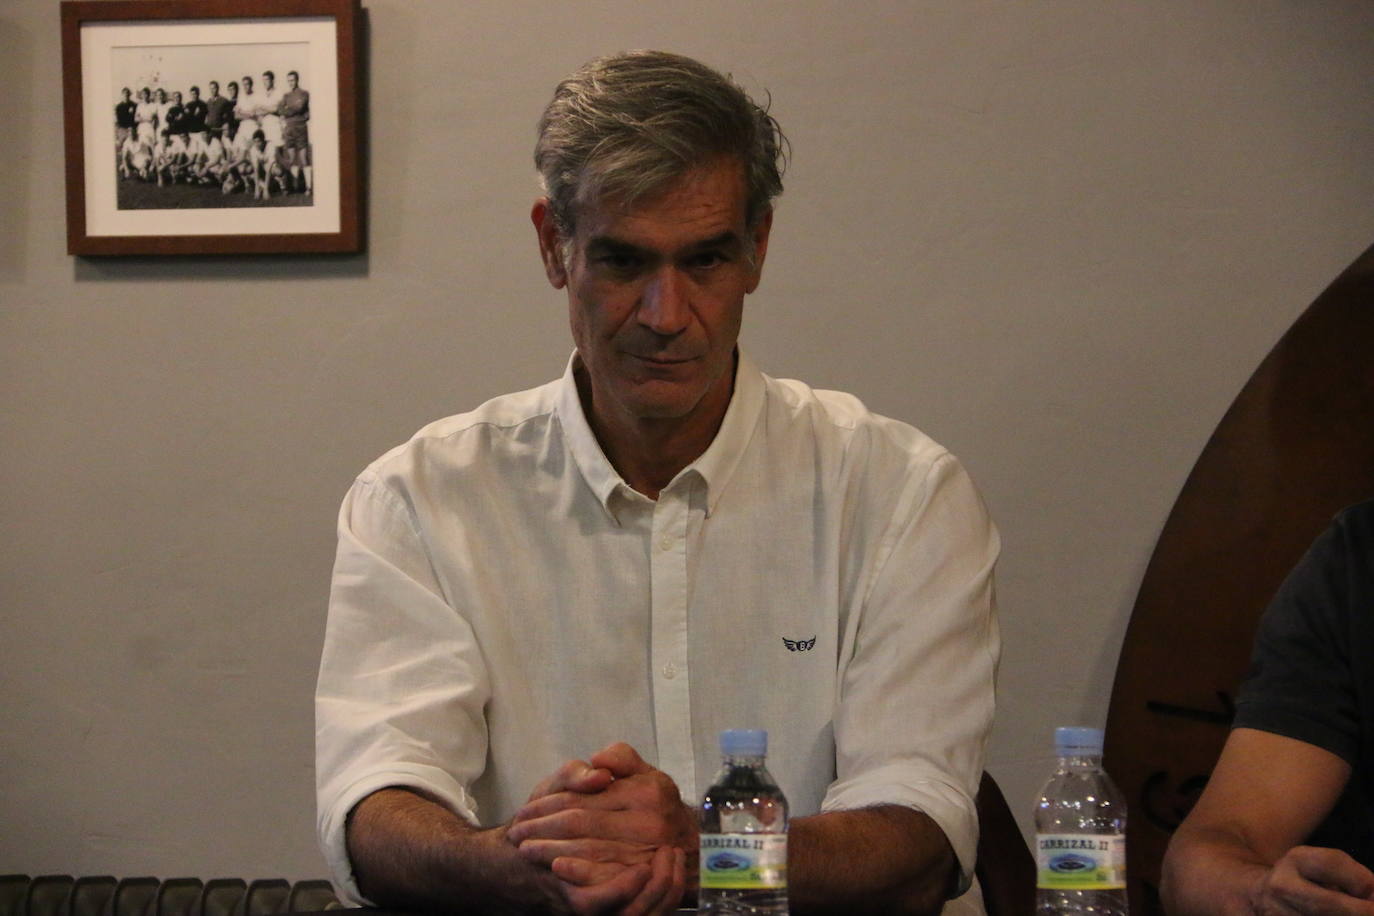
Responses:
[744,742]
[1078,742]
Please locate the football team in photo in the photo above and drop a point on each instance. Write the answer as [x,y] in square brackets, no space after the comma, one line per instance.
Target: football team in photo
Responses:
[253,139]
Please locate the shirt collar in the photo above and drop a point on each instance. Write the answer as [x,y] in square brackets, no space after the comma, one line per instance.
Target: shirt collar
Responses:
[586,451]
[715,466]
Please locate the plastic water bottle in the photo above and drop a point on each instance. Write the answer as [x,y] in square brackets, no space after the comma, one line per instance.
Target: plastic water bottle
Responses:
[1080,833]
[743,832]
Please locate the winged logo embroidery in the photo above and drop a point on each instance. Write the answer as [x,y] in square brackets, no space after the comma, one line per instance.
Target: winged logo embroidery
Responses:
[799,645]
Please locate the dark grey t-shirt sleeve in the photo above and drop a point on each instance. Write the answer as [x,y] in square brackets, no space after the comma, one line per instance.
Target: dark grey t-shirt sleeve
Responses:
[1300,683]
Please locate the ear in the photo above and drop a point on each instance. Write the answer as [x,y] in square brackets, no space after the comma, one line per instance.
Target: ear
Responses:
[760,242]
[550,243]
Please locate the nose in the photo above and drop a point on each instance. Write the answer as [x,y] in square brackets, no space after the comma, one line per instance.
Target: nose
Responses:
[665,307]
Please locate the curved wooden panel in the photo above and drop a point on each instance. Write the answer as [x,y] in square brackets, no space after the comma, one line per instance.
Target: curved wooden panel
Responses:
[1295,447]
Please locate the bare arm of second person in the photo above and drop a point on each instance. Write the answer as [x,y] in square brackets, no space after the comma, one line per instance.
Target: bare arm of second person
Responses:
[1237,852]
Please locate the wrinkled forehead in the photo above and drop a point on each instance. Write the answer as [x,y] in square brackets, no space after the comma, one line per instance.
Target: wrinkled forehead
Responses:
[623,192]
[704,202]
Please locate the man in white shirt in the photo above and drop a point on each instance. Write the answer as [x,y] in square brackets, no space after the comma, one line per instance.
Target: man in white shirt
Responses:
[545,610]
[164,107]
[146,115]
[135,158]
[260,167]
[269,109]
[247,106]
[211,166]
[176,159]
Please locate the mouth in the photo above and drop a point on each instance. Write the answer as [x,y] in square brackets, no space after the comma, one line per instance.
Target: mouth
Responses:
[664,361]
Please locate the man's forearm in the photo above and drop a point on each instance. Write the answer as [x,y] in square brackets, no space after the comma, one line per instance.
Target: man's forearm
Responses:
[410,852]
[886,859]
[1209,872]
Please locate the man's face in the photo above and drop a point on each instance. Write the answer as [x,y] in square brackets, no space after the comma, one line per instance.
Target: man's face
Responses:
[267,81]
[656,295]
[248,84]
[176,97]
[292,81]
[125,94]
[214,90]
[195,95]
[233,90]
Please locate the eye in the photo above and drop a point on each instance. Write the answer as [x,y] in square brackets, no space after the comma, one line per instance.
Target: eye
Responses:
[620,262]
[705,260]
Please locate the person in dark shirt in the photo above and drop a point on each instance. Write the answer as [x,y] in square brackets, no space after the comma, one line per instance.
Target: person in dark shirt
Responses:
[295,115]
[231,118]
[193,115]
[1286,823]
[126,119]
[193,124]
[218,112]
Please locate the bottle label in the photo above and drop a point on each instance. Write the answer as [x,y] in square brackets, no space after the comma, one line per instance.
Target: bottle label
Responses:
[1080,862]
[743,861]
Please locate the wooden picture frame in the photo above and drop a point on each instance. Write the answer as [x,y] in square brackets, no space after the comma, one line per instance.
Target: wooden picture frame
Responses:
[168,190]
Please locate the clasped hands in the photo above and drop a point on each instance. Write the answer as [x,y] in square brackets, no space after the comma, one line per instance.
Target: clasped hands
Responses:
[614,831]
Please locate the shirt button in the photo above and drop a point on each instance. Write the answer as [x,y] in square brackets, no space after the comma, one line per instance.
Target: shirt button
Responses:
[666,542]
[669,671]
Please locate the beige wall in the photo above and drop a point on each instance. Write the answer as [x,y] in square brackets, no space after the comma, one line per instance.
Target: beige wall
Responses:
[1058,236]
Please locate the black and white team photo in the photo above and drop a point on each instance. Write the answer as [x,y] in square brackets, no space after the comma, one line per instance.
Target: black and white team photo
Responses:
[193,130]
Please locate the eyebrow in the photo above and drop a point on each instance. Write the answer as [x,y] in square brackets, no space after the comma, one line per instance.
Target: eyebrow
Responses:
[729,239]
[609,244]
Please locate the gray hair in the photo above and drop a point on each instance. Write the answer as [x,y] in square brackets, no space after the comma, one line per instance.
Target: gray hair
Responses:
[628,125]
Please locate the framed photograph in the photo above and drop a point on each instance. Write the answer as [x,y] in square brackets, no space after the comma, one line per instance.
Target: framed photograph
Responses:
[211,126]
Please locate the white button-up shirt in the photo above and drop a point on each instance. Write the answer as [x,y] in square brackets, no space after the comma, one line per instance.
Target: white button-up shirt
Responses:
[503,601]
[269,105]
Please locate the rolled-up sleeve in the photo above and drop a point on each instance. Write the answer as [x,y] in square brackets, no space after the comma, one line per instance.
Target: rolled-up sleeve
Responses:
[917,696]
[402,686]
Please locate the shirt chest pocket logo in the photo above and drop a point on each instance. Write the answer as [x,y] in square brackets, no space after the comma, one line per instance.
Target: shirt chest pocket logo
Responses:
[799,645]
